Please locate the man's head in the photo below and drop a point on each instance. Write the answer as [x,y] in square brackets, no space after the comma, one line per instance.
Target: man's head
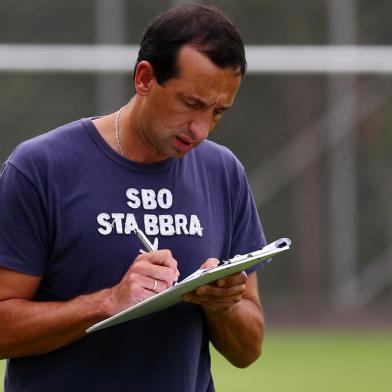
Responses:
[187,75]
[202,27]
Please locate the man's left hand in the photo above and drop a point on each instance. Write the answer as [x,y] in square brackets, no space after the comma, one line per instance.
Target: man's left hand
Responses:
[219,296]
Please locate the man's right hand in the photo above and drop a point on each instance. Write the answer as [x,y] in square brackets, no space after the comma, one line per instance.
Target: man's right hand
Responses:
[31,327]
[149,274]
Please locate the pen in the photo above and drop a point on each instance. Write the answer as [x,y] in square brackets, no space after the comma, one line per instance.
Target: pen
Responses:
[144,240]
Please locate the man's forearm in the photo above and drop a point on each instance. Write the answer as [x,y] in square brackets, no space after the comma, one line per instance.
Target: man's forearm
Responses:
[237,333]
[33,328]
[30,328]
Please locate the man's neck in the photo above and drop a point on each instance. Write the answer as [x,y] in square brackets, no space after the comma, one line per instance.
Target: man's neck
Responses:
[129,142]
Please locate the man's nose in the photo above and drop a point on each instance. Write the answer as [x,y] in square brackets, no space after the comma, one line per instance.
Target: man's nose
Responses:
[201,125]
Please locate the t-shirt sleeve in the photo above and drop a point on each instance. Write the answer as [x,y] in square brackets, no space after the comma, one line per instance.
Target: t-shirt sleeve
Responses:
[23,224]
[248,233]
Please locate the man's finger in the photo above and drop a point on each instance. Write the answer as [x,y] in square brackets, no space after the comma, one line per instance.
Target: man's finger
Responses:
[213,291]
[212,303]
[160,257]
[206,300]
[233,280]
[210,263]
[154,271]
[152,284]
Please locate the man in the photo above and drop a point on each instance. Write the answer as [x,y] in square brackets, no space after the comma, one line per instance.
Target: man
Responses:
[70,198]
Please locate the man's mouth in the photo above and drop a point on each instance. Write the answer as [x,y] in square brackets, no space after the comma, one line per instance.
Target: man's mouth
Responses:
[183,144]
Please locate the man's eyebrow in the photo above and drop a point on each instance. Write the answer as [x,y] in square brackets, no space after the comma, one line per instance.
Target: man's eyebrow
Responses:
[202,103]
[193,98]
[224,107]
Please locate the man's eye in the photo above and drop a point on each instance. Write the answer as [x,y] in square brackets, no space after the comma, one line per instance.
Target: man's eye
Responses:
[192,104]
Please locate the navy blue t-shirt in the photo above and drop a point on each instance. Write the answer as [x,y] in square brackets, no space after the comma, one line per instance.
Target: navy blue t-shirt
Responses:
[68,204]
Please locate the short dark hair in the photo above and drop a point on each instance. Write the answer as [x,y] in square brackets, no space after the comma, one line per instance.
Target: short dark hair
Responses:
[204,27]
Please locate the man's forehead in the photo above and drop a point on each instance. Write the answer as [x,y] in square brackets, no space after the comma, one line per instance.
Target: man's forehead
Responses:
[191,60]
[198,78]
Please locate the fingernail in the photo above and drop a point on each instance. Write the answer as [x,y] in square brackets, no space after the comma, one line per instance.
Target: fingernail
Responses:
[200,291]
[221,283]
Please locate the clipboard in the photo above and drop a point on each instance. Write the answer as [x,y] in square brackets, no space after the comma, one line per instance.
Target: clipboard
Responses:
[172,295]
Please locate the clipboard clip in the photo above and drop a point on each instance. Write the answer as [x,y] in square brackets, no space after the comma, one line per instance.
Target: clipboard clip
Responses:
[279,244]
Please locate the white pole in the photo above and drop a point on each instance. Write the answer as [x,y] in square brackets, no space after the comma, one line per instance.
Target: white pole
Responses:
[342,162]
[112,89]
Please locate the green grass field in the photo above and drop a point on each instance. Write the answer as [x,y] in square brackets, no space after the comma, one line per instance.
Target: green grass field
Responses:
[311,361]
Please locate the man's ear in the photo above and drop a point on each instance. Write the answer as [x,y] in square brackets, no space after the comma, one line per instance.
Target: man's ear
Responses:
[144,76]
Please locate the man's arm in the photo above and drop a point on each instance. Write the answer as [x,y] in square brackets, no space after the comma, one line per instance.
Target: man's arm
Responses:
[238,333]
[31,328]
[234,316]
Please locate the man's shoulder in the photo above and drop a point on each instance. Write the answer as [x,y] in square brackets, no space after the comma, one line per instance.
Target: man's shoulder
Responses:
[214,154]
[48,146]
[209,148]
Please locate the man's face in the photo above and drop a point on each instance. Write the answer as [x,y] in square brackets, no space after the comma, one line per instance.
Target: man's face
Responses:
[181,113]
